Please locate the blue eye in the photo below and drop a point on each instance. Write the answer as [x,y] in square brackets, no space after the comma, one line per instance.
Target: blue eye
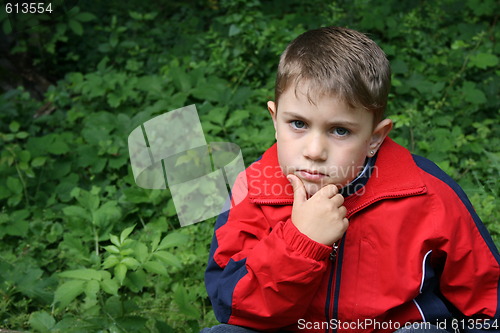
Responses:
[340,131]
[298,124]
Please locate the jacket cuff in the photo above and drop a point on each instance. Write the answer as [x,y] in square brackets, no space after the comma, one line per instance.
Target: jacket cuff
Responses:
[303,244]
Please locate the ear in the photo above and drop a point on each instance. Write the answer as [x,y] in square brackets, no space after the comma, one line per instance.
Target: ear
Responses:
[378,135]
[271,106]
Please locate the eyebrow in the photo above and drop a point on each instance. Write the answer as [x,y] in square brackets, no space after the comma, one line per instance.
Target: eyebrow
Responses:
[335,123]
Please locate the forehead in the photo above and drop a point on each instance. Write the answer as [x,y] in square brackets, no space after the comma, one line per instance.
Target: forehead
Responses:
[307,98]
[308,89]
[303,102]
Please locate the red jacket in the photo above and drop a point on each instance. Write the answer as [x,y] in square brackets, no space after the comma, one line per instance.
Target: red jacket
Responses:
[414,250]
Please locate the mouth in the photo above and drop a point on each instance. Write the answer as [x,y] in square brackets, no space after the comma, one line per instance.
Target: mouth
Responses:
[311,175]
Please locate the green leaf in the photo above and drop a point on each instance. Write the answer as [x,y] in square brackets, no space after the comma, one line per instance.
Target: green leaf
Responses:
[170,209]
[42,321]
[64,188]
[92,288]
[84,17]
[155,241]
[114,100]
[14,184]
[163,327]
[135,15]
[218,115]
[20,215]
[110,261]
[81,274]
[484,60]
[67,292]
[237,117]
[77,212]
[173,239]
[141,252]
[113,39]
[108,212]
[125,233]
[22,135]
[137,280]
[88,200]
[185,303]
[133,323]
[24,156]
[121,272]
[114,239]
[234,30]
[112,249]
[155,267]
[4,218]
[8,137]
[167,258]
[38,161]
[19,228]
[14,126]
[14,200]
[4,192]
[110,286]
[482,7]
[130,262]
[76,27]
[57,147]
[473,95]
[105,275]
[180,79]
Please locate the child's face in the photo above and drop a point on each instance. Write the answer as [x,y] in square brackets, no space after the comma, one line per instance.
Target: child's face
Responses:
[326,143]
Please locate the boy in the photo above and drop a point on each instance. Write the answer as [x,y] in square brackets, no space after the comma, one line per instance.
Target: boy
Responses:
[342,229]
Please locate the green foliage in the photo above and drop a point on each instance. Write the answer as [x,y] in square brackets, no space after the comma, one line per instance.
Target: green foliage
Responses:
[84,249]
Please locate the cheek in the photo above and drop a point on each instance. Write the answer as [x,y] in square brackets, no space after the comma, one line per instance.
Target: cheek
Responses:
[285,158]
[350,161]
[287,147]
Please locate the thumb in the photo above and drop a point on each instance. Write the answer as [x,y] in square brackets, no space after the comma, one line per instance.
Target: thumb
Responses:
[299,191]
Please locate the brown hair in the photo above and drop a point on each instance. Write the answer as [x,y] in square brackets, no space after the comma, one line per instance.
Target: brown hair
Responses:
[337,62]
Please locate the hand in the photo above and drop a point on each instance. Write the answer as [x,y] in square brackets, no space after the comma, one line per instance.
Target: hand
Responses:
[322,216]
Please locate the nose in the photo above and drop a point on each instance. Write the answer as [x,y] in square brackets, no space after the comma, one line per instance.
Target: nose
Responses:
[316,147]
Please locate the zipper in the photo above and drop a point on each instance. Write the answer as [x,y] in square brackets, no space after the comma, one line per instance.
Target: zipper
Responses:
[335,250]
[333,284]
[329,291]
[335,281]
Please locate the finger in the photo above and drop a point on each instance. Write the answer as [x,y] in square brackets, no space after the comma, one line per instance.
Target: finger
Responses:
[329,191]
[299,191]
[342,211]
[337,200]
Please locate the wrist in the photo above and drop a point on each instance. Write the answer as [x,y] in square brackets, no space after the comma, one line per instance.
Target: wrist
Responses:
[303,244]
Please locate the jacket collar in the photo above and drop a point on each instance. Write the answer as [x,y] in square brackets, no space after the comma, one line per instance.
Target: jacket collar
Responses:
[392,174]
